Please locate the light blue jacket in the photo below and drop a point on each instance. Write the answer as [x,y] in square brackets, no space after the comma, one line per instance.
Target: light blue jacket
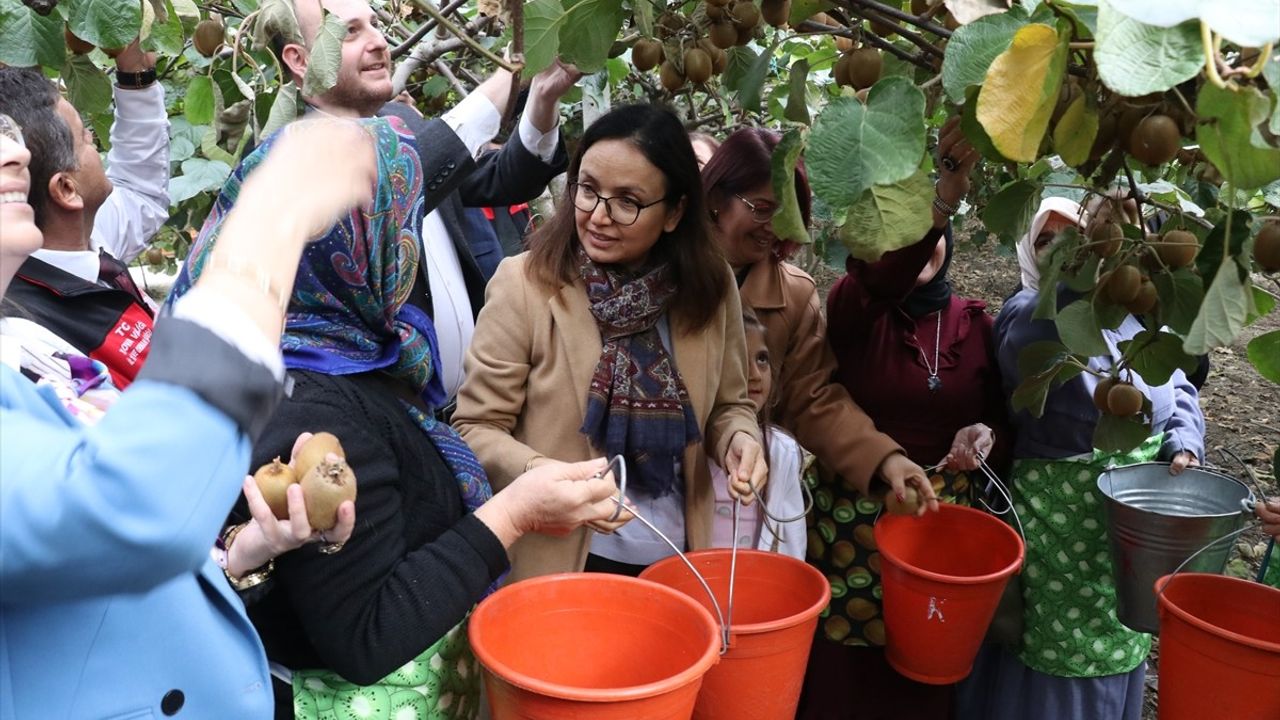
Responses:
[109,601]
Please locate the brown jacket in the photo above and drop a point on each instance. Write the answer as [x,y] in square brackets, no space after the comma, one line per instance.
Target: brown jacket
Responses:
[817,410]
[527,372]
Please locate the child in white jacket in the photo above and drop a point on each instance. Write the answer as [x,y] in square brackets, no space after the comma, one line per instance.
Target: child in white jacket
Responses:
[778,523]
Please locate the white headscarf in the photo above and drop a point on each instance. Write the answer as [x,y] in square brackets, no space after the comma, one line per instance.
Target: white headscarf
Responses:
[1027,261]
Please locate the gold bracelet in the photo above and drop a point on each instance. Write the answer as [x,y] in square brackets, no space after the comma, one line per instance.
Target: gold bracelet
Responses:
[255,577]
[254,274]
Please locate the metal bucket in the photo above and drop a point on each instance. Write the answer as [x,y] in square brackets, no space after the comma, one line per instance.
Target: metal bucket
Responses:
[1156,521]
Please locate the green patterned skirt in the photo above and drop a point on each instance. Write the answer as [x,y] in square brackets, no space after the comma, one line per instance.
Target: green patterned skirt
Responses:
[443,683]
[1271,566]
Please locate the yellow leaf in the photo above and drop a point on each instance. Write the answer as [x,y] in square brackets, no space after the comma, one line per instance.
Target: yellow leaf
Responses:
[1075,132]
[1020,90]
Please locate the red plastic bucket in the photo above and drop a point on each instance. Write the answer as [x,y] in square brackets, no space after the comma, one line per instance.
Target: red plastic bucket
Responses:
[942,576]
[776,601]
[1219,648]
[589,645]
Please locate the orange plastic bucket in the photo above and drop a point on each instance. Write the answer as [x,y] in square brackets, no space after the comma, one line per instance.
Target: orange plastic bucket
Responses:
[776,601]
[589,645]
[942,576]
[1219,648]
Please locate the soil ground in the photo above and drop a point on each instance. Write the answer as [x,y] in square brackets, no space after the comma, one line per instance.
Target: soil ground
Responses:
[1241,408]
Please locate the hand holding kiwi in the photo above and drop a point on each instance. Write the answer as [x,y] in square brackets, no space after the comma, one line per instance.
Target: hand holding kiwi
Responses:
[903,475]
[306,499]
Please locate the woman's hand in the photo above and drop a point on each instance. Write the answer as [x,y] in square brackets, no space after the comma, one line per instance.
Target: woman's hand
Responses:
[1182,461]
[554,498]
[956,160]
[746,467]
[1269,513]
[899,472]
[970,443]
[265,537]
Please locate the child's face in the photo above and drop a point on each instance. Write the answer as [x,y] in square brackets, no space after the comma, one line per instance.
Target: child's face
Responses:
[759,370]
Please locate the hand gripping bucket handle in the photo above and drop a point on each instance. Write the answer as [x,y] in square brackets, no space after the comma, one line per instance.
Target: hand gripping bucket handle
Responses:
[725,618]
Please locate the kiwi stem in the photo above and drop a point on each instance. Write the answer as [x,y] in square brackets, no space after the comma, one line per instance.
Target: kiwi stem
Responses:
[1260,62]
[1210,56]
[912,37]
[898,14]
[457,32]
[423,29]
[1082,45]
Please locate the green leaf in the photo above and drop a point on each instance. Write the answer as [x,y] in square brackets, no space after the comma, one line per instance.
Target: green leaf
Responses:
[1156,355]
[105,23]
[1021,89]
[741,60]
[1042,365]
[797,103]
[326,57]
[542,20]
[889,217]
[753,81]
[788,223]
[275,18]
[198,175]
[88,88]
[1210,256]
[1181,293]
[1135,59]
[1076,129]
[1227,121]
[588,31]
[1008,213]
[802,10]
[974,47]
[283,110]
[167,37]
[642,11]
[1222,314]
[855,146]
[1119,434]
[197,104]
[1079,331]
[28,38]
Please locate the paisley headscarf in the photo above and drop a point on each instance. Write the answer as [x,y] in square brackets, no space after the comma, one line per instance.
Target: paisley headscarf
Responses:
[348,313]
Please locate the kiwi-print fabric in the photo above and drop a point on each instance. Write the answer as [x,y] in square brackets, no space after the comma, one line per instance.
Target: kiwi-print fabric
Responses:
[442,683]
[1070,625]
[842,545]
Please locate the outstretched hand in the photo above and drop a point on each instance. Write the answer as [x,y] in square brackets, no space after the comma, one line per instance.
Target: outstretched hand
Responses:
[899,472]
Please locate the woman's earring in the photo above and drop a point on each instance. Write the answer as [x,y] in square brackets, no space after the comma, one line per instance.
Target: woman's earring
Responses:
[715,215]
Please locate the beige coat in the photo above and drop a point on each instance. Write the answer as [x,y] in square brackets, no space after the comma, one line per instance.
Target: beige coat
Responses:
[524,397]
[817,410]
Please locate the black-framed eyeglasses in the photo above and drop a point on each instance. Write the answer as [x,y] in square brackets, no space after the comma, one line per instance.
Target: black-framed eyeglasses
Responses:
[621,210]
[759,213]
[10,129]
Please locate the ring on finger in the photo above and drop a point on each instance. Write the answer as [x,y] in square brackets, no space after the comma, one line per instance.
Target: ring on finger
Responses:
[949,163]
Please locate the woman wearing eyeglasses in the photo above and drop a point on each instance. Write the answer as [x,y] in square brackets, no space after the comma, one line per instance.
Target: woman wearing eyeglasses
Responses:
[618,332]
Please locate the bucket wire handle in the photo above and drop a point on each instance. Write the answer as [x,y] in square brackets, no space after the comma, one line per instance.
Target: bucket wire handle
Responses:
[620,501]
[1255,485]
[1229,536]
[1005,492]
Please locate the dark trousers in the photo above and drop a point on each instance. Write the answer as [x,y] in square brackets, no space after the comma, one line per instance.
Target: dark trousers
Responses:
[845,682]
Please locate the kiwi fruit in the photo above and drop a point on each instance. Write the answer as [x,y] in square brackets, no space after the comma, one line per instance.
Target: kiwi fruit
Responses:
[325,488]
[1100,394]
[75,44]
[715,12]
[723,34]
[1123,283]
[776,12]
[1155,140]
[745,34]
[154,256]
[908,505]
[1266,247]
[409,703]
[865,536]
[671,22]
[840,71]
[273,480]
[646,55]
[813,545]
[1177,248]
[208,37]
[719,58]
[671,78]
[315,450]
[919,7]
[873,562]
[884,28]
[1105,238]
[859,577]
[1145,300]
[746,14]
[1124,400]
[865,65]
[697,65]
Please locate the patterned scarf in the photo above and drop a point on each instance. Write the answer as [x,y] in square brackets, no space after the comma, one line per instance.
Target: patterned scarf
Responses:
[637,405]
[347,314]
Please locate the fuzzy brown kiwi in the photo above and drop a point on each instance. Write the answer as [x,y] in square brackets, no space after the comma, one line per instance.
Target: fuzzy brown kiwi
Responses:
[746,14]
[646,55]
[840,71]
[1100,394]
[697,65]
[325,488]
[776,12]
[1145,300]
[1177,248]
[273,480]
[723,35]
[671,78]
[315,450]
[865,65]
[909,504]
[1266,247]
[208,37]
[1123,284]
[1124,400]
[1105,239]
[1155,140]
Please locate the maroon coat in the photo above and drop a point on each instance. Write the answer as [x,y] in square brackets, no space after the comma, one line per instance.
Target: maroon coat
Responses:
[880,353]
